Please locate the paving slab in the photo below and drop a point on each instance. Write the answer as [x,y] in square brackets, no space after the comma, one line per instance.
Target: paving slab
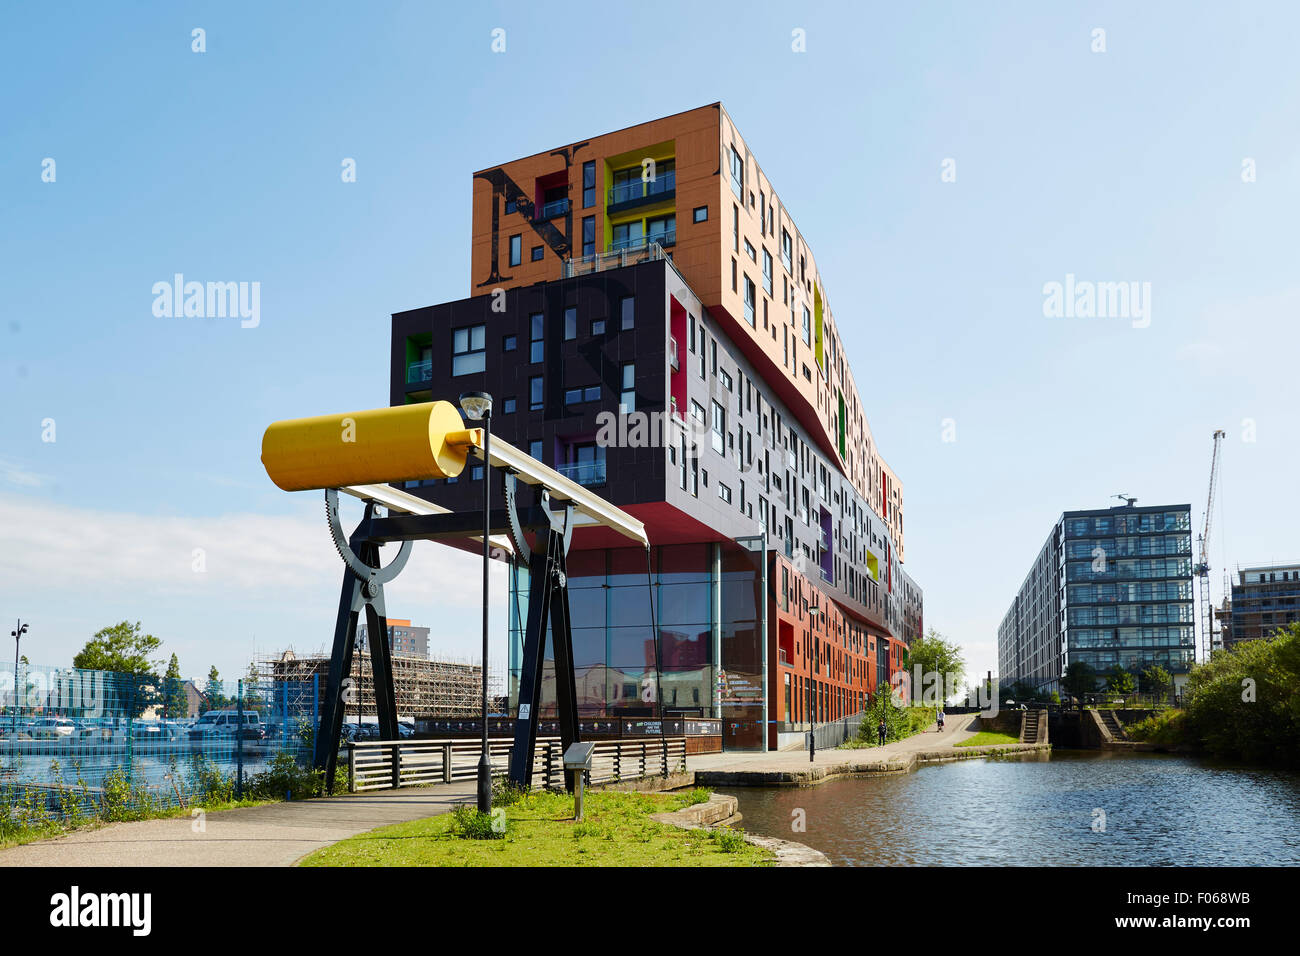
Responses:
[277,834]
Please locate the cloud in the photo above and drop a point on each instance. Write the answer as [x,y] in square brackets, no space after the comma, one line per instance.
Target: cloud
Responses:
[14,474]
[276,567]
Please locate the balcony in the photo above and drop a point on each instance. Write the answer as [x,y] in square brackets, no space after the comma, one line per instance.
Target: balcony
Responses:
[552,209]
[639,192]
[666,238]
[419,373]
[584,472]
[601,261]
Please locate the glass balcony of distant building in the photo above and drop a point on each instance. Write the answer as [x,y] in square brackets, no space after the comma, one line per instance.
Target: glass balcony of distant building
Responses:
[419,373]
[625,194]
[667,237]
[552,209]
[590,472]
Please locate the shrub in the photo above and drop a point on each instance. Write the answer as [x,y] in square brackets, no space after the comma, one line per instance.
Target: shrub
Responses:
[729,840]
[471,824]
[505,793]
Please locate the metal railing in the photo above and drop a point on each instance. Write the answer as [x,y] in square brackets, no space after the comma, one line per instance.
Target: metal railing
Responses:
[830,734]
[380,765]
[583,472]
[666,238]
[557,207]
[642,189]
[600,261]
[419,372]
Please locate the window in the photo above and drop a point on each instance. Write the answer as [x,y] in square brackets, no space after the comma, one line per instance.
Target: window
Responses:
[662,230]
[737,175]
[627,397]
[576,396]
[511,205]
[536,329]
[787,257]
[535,451]
[570,323]
[719,428]
[588,235]
[626,312]
[724,492]
[588,184]
[516,249]
[508,343]
[762,213]
[700,214]
[751,297]
[767,271]
[749,251]
[733,275]
[535,399]
[468,350]
[726,379]
[807,326]
[509,406]
[735,228]
[537,253]
[597,326]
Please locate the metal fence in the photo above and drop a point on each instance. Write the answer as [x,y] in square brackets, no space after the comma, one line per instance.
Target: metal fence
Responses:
[377,765]
[830,734]
[87,738]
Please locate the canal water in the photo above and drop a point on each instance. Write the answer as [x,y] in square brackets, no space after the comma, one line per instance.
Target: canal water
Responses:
[1067,808]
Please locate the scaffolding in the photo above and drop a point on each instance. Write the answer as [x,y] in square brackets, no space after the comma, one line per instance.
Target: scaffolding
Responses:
[423,687]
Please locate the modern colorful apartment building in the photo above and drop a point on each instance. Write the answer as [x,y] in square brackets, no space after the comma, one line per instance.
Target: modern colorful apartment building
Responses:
[651,322]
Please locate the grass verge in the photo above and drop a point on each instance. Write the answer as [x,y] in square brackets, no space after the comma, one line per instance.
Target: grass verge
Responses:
[989,738]
[539,831]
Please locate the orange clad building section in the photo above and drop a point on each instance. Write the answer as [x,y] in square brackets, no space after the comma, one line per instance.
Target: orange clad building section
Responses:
[691,183]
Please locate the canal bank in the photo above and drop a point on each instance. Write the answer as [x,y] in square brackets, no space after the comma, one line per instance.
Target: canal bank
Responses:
[794,769]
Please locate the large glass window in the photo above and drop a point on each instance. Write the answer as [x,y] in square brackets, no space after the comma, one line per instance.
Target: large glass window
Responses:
[516,249]
[535,395]
[536,334]
[588,184]
[627,312]
[627,397]
[719,428]
[468,350]
[737,175]
[589,235]
[571,323]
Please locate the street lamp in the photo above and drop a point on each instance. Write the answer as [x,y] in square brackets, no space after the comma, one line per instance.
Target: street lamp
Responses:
[813,611]
[478,407]
[17,635]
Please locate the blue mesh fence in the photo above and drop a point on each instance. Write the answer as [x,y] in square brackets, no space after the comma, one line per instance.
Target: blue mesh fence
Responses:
[112,744]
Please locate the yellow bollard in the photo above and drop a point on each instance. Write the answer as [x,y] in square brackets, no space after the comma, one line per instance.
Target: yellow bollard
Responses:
[378,446]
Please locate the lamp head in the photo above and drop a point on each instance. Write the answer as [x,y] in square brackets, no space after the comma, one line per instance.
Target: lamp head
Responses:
[476,405]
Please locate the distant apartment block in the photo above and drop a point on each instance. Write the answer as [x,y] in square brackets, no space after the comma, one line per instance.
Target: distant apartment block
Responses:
[1263,599]
[1110,588]
[404,638]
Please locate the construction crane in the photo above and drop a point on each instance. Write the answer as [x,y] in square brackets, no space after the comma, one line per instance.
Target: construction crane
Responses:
[1202,569]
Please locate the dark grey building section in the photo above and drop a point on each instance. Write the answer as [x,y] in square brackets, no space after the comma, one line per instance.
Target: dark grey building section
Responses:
[1111,588]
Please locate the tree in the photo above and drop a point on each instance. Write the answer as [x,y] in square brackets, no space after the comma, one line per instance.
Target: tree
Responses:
[1080,678]
[212,690]
[124,649]
[175,703]
[1120,681]
[935,654]
[121,648]
[1156,680]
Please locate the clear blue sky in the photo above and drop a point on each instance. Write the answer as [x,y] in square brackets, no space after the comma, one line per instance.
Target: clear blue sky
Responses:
[1117,166]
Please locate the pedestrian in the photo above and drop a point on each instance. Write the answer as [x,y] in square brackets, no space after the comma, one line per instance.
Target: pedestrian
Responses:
[939,718]
[880,731]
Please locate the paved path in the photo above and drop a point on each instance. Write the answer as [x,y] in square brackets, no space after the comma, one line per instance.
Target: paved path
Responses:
[277,834]
[794,768]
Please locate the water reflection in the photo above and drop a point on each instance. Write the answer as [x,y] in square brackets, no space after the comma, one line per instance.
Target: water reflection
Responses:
[1159,810]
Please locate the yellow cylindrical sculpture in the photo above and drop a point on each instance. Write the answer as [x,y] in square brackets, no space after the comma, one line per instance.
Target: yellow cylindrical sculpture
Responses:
[382,445]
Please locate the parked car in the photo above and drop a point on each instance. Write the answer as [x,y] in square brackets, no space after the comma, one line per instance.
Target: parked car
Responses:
[50,728]
[226,723]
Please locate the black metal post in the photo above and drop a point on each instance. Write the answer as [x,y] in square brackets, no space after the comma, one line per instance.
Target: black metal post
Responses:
[485,760]
[17,635]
